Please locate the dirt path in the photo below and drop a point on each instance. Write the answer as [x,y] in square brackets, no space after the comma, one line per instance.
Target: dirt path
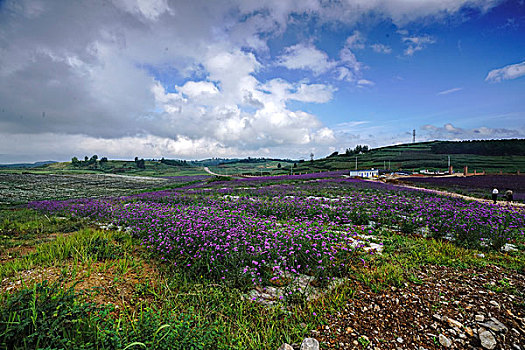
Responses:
[206,169]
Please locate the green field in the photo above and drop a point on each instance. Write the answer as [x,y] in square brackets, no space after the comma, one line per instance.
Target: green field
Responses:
[418,156]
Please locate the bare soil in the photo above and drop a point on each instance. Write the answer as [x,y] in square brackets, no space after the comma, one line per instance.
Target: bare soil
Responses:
[445,301]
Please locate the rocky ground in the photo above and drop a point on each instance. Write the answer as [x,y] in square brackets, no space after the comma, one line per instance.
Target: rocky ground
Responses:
[444,308]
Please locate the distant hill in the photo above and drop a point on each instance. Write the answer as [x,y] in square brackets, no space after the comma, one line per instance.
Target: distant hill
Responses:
[27,165]
[492,156]
[166,167]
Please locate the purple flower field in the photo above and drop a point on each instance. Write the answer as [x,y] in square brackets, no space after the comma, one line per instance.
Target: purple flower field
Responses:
[252,231]
[480,185]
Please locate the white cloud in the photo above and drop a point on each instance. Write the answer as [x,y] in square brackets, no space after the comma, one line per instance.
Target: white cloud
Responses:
[318,93]
[149,9]
[416,43]
[511,71]
[364,82]
[450,91]
[451,132]
[197,88]
[380,48]
[306,57]
[356,41]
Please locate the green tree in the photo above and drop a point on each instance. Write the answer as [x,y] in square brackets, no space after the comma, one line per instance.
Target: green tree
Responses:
[75,161]
[140,163]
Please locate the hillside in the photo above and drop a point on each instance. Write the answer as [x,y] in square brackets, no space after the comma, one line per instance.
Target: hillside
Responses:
[493,156]
[163,167]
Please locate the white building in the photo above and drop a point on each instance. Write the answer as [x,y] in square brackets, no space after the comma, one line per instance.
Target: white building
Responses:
[365,173]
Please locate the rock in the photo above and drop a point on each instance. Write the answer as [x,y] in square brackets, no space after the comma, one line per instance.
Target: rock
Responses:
[516,346]
[310,344]
[469,331]
[400,340]
[481,255]
[495,325]
[494,303]
[487,340]
[285,347]
[479,318]
[508,247]
[452,322]
[444,341]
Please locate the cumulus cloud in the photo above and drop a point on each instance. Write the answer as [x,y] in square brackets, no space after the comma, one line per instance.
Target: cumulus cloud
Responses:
[306,57]
[511,71]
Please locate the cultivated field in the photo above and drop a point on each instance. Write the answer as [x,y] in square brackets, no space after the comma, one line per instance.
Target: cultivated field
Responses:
[17,188]
[254,263]
[478,186]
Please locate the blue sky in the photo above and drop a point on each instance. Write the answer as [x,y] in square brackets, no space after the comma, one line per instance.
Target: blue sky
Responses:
[270,78]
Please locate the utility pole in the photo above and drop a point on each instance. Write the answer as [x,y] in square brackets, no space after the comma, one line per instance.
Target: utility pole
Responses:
[449,161]
[414,136]
[355,162]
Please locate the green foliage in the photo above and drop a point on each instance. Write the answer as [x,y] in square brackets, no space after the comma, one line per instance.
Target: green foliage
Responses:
[45,316]
[53,316]
[26,222]
[86,245]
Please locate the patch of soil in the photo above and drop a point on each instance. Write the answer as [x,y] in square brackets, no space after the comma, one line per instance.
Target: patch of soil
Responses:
[27,247]
[445,303]
[107,287]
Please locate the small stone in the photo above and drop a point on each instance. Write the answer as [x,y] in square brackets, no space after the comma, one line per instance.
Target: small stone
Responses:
[480,255]
[516,346]
[495,325]
[469,331]
[400,340]
[437,317]
[285,347]
[487,340]
[508,247]
[452,322]
[310,344]
[479,318]
[444,341]
[494,303]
